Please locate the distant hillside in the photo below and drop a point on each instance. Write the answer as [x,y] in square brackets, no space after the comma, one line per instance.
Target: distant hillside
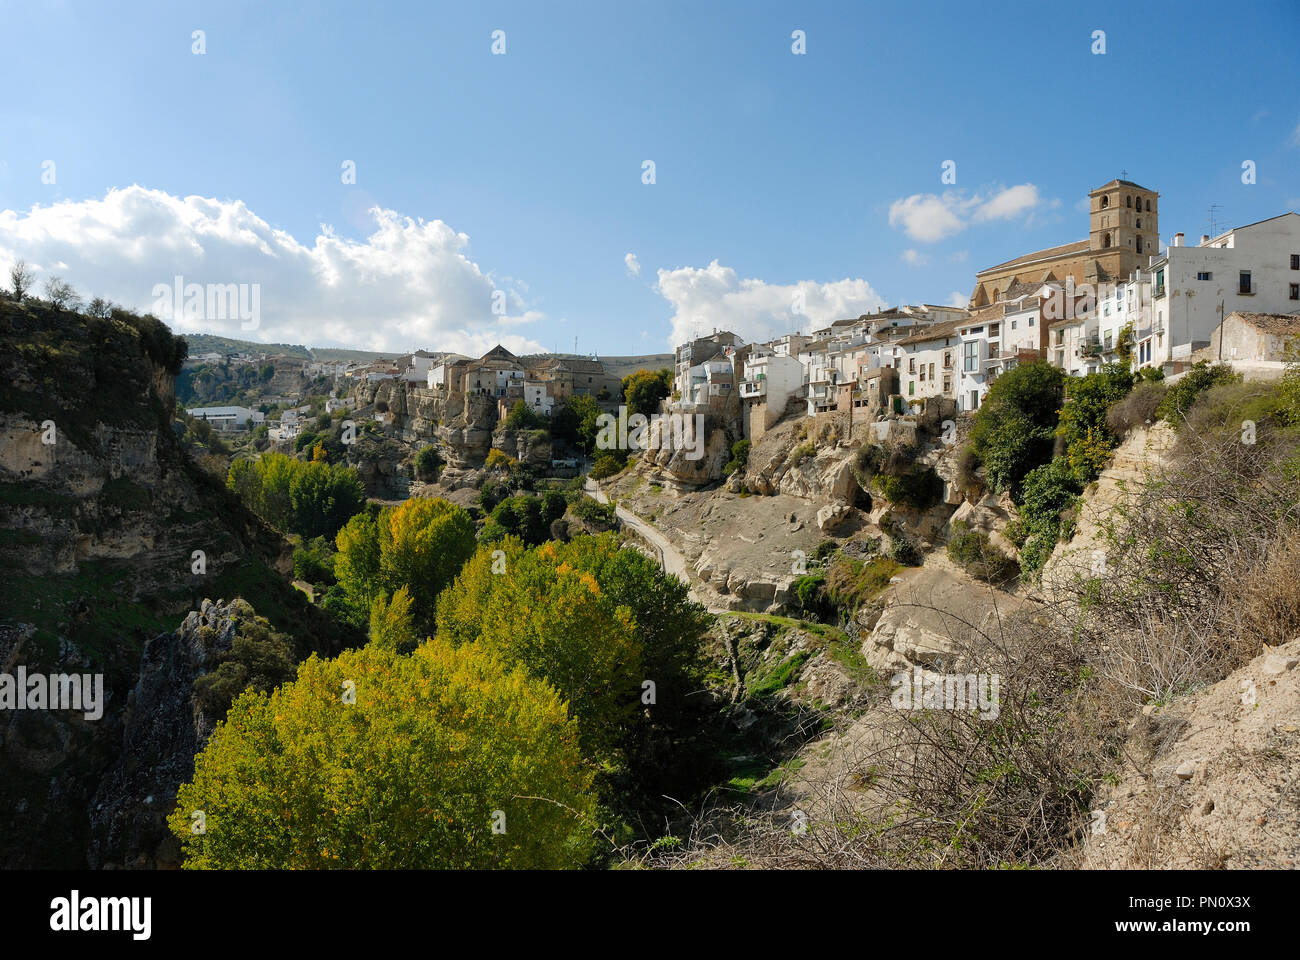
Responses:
[618,366]
[207,343]
[364,356]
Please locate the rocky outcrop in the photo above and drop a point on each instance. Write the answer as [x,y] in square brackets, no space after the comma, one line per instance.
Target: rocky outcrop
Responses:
[928,613]
[530,447]
[688,469]
[163,731]
[989,515]
[1142,455]
[1209,780]
[108,536]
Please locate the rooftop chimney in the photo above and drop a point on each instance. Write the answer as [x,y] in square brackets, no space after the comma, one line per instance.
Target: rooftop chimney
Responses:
[1178,239]
[1205,238]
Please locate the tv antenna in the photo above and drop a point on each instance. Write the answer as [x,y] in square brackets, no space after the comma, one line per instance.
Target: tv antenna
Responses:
[1213,219]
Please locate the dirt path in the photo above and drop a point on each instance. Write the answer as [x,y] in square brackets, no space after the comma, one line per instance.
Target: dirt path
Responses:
[670,559]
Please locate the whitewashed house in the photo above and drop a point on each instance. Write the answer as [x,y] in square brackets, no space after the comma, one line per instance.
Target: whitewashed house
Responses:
[927,365]
[1249,269]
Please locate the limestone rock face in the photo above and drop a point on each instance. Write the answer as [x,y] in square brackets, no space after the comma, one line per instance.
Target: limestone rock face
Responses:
[832,516]
[530,447]
[164,730]
[928,613]
[989,515]
[1143,454]
[684,469]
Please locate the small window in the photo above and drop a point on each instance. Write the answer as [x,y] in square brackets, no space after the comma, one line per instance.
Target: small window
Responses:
[1243,282]
[1295,291]
[1013,324]
[1139,223]
[1148,206]
[1205,275]
[1031,320]
[1105,202]
[1295,261]
[1128,202]
[1105,242]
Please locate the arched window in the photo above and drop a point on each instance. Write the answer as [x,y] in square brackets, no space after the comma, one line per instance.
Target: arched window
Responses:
[1148,206]
[1128,202]
[1105,202]
[1139,245]
[1139,219]
[1106,242]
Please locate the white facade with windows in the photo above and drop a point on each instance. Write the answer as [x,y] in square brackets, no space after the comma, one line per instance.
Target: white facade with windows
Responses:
[1250,269]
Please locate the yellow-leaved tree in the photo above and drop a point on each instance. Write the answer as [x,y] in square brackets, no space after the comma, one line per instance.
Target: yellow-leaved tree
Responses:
[445,759]
[546,612]
[420,544]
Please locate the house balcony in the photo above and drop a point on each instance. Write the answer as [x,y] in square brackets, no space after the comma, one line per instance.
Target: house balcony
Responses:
[753,388]
[1090,347]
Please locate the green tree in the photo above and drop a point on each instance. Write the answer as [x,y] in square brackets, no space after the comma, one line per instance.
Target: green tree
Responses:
[413,771]
[643,390]
[420,544]
[574,422]
[392,624]
[598,622]
[1012,431]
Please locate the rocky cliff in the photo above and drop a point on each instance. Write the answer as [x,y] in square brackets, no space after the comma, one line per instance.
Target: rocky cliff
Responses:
[163,730]
[108,535]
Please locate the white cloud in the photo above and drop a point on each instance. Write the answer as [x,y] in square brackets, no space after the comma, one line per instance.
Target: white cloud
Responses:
[958,299]
[959,256]
[716,297]
[928,217]
[914,259]
[633,265]
[1008,204]
[408,285]
[931,217]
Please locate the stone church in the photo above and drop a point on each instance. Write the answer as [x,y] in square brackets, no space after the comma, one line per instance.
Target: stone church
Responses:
[1123,233]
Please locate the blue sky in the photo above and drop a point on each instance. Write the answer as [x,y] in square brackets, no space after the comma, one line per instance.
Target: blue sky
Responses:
[791,172]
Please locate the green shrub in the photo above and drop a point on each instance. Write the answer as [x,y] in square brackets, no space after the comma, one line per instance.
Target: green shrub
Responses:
[811,599]
[1088,455]
[1049,494]
[259,658]
[802,452]
[314,562]
[972,551]
[524,417]
[593,512]
[1181,395]
[1013,447]
[1012,431]
[490,494]
[903,550]
[606,466]
[918,487]
[1087,400]
[739,457]
[427,463]
[1138,409]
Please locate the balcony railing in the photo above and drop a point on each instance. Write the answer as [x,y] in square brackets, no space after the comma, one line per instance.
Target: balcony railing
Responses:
[753,388]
